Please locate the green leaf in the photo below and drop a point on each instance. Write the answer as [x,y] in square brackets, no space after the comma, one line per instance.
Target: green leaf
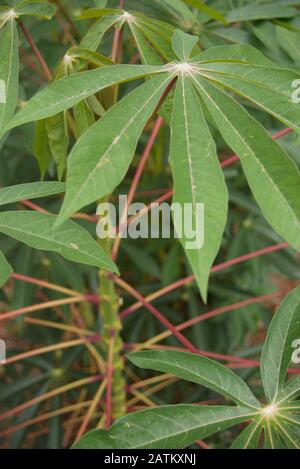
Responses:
[158,37]
[69,240]
[277,351]
[58,141]
[147,52]
[5,269]
[261,12]
[89,56]
[32,190]
[233,53]
[272,175]
[179,8]
[249,437]
[107,160]
[9,73]
[83,116]
[198,179]
[68,91]
[183,44]
[198,369]
[165,427]
[289,41]
[36,8]
[94,36]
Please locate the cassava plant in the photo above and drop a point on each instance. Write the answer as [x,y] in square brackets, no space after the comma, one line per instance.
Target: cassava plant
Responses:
[154,93]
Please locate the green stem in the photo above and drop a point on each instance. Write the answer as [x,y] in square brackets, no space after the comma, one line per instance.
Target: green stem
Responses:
[111,327]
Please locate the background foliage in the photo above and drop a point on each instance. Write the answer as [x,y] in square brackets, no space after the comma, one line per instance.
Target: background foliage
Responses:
[49,398]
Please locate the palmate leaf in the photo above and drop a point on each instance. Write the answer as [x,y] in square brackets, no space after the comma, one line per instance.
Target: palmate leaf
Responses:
[107,159]
[273,177]
[5,269]
[32,190]
[198,179]
[68,91]
[165,427]
[69,240]
[198,369]
[278,350]
[9,72]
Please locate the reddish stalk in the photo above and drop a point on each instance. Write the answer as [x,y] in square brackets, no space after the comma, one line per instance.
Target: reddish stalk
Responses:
[40,59]
[180,283]
[211,314]
[46,305]
[125,286]
[202,444]
[48,349]
[43,284]
[54,392]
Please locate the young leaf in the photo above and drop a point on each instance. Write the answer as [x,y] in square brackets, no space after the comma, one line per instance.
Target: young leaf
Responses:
[9,73]
[32,190]
[106,160]
[271,174]
[164,427]
[68,91]
[5,269]
[278,350]
[198,369]
[69,240]
[198,179]
[183,44]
